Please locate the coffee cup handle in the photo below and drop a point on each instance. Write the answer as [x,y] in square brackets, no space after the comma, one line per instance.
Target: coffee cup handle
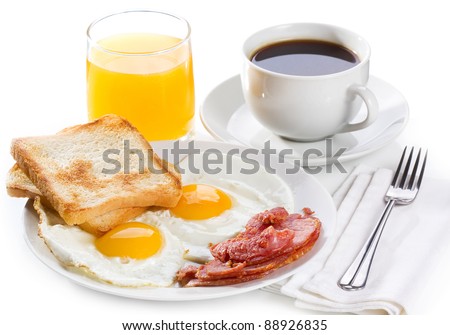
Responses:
[372,108]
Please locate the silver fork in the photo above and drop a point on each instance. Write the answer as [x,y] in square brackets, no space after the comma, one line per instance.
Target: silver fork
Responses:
[403,190]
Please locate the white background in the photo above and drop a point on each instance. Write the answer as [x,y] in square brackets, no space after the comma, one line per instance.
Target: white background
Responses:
[42,82]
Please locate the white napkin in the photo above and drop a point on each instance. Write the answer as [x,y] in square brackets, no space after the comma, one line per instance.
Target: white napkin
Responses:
[412,244]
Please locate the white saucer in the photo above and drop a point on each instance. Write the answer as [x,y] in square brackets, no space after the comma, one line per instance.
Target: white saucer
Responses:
[225,115]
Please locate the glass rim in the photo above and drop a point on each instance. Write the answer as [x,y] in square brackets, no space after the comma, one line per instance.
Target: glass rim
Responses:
[159,52]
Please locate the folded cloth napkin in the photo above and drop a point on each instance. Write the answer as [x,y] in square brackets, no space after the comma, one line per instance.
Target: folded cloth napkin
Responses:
[412,244]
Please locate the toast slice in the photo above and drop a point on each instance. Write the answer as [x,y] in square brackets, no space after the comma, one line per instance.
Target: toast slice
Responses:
[20,186]
[89,170]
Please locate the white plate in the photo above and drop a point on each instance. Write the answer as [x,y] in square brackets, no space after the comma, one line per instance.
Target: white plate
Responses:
[304,191]
[226,116]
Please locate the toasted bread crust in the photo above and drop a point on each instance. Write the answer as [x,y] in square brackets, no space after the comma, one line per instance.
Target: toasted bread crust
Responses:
[19,185]
[74,184]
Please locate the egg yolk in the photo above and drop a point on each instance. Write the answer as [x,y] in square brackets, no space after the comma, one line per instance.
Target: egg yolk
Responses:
[132,240]
[199,202]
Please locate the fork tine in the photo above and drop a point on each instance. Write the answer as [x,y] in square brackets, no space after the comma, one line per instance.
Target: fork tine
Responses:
[423,169]
[399,167]
[406,170]
[412,179]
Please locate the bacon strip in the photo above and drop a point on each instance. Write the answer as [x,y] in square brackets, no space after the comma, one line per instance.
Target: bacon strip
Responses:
[254,248]
[272,239]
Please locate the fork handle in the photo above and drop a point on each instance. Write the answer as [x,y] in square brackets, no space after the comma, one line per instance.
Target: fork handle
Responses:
[355,277]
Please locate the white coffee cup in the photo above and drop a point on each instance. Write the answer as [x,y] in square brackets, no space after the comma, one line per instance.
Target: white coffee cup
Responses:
[308,108]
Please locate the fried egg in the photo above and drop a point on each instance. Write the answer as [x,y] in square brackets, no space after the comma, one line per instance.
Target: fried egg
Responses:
[211,210]
[138,253]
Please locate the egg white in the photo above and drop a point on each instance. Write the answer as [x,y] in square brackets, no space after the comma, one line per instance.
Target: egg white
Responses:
[75,248]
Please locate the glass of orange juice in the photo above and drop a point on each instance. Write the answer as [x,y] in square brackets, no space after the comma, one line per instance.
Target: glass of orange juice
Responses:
[139,66]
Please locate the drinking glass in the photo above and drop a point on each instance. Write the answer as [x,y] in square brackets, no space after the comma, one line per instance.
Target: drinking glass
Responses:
[139,66]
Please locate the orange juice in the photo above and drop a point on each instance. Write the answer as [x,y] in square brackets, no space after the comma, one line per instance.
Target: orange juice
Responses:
[146,78]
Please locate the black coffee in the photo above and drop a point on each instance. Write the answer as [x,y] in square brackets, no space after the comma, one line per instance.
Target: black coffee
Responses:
[305,57]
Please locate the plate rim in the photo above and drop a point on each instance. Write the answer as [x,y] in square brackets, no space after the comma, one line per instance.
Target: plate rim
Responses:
[35,243]
[316,161]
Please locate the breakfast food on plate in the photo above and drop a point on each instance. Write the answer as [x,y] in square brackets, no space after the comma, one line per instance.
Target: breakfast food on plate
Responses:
[20,186]
[212,209]
[134,254]
[271,239]
[69,170]
[138,226]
